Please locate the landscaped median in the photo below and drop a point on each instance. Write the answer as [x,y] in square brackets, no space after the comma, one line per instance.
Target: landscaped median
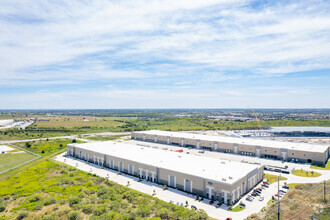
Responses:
[273,178]
[237,208]
[305,173]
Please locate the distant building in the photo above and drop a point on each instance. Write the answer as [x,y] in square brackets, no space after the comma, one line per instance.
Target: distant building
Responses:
[207,177]
[309,153]
[4,122]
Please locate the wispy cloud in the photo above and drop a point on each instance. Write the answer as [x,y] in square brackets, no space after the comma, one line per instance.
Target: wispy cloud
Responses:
[148,45]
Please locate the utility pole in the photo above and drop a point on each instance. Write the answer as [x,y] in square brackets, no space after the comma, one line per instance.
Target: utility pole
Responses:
[325,193]
[278,198]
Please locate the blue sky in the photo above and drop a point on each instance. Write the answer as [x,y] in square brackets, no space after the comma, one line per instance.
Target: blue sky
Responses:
[164,54]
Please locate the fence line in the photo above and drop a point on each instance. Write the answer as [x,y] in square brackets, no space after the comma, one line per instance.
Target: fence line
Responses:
[37,157]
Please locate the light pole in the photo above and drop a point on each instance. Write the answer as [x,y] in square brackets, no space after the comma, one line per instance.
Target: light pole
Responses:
[278,198]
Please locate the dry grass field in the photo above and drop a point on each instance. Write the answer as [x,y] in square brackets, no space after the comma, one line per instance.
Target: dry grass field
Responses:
[300,202]
[77,124]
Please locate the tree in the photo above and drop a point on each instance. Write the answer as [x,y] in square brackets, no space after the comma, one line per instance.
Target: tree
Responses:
[28,145]
[74,141]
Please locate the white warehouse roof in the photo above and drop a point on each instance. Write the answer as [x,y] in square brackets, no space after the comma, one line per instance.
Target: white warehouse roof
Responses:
[246,141]
[209,168]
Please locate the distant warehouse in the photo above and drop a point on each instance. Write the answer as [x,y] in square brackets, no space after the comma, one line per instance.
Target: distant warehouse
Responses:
[286,151]
[208,177]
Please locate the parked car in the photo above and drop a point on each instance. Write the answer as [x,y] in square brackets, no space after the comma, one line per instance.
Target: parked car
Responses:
[257,190]
[211,202]
[265,182]
[229,219]
[249,198]
[200,199]
[242,204]
[218,204]
[193,207]
[285,187]
[276,195]
[265,185]
[261,198]
[201,151]
[282,191]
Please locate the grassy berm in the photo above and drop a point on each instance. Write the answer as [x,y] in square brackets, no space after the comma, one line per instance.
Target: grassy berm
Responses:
[300,202]
[55,191]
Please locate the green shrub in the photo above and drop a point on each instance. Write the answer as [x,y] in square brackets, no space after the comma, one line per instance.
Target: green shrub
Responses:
[100,210]
[38,206]
[74,215]
[48,217]
[35,198]
[74,200]
[102,191]
[22,215]
[163,213]
[50,201]
[87,209]
[144,210]
[2,207]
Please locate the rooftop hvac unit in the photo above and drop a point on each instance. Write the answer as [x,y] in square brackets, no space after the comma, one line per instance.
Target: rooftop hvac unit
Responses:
[231,177]
[224,179]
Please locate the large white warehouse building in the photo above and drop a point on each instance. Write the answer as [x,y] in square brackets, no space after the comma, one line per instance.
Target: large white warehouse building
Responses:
[208,177]
[286,151]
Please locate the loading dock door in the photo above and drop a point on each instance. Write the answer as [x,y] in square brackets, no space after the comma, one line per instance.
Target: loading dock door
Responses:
[188,185]
[171,181]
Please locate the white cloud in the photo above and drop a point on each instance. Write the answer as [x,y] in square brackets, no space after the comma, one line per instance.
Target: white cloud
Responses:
[173,44]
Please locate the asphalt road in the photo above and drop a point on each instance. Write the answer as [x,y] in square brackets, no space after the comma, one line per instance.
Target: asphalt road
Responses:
[76,136]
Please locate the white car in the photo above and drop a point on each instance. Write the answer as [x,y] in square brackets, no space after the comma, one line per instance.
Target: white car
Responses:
[261,198]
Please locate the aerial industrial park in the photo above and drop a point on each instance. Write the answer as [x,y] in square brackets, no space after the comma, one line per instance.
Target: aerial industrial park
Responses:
[164,110]
[217,173]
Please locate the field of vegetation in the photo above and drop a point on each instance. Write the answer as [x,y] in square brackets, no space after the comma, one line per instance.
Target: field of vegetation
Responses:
[105,138]
[54,191]
[12,159]
[300,202]
[67,126]
[45,189]
[47,147]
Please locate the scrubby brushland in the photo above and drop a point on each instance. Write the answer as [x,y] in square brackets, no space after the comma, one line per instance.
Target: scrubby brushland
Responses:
[47,147]
[300,202]
[64,127]
[55,191]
